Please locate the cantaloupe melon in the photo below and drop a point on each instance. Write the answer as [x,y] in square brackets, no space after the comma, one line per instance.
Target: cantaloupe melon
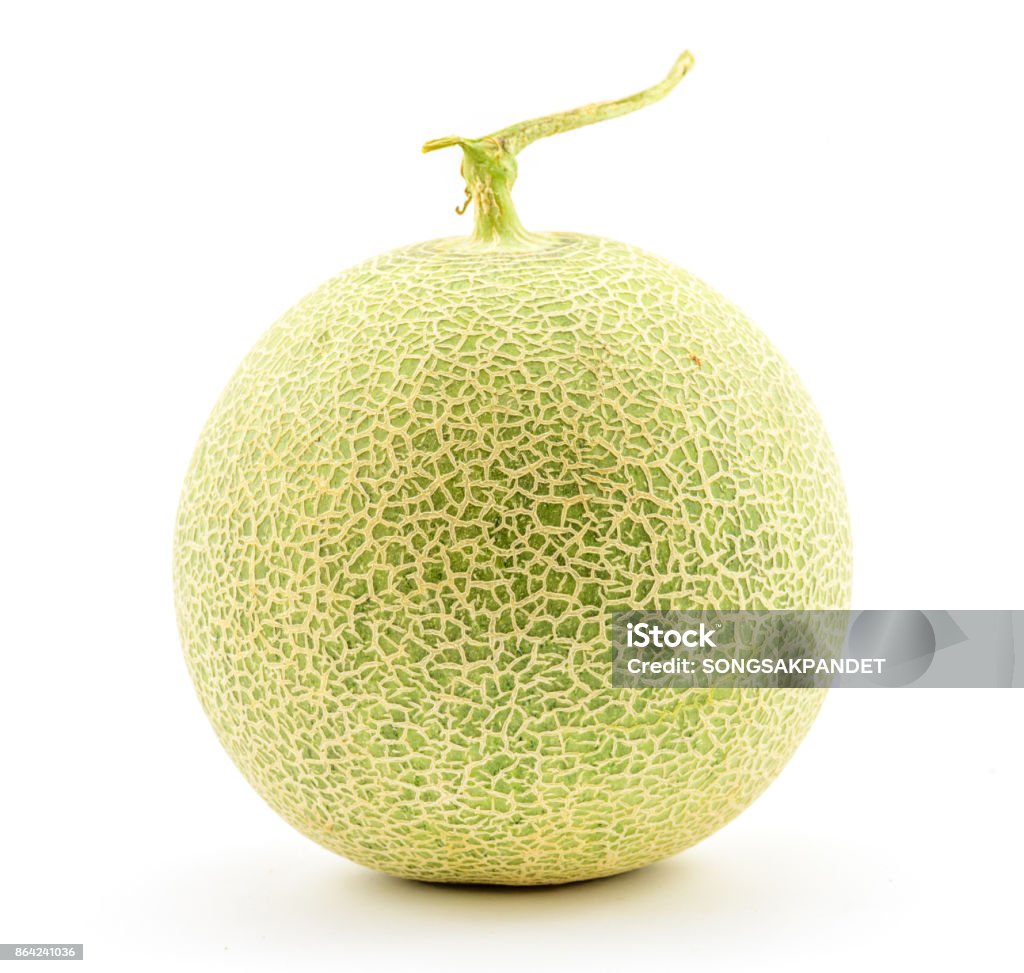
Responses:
[419,498]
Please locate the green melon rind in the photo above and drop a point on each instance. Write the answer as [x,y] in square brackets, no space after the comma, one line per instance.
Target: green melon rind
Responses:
[411,511]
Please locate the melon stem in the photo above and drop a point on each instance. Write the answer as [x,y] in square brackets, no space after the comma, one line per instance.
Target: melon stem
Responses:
[489,163]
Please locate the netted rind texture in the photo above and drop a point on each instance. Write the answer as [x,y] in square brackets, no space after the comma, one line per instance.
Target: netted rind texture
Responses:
[411,512]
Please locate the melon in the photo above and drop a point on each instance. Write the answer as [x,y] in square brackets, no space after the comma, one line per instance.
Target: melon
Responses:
[420,497]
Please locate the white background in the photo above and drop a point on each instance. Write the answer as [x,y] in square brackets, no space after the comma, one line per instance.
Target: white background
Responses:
[175,175]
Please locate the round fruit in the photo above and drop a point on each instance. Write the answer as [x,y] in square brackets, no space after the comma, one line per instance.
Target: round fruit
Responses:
[419,498]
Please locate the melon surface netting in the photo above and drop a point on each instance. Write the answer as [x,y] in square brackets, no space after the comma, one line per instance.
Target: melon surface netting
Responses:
[412,510]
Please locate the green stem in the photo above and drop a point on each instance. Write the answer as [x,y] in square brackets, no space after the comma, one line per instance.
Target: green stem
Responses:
[489,163]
